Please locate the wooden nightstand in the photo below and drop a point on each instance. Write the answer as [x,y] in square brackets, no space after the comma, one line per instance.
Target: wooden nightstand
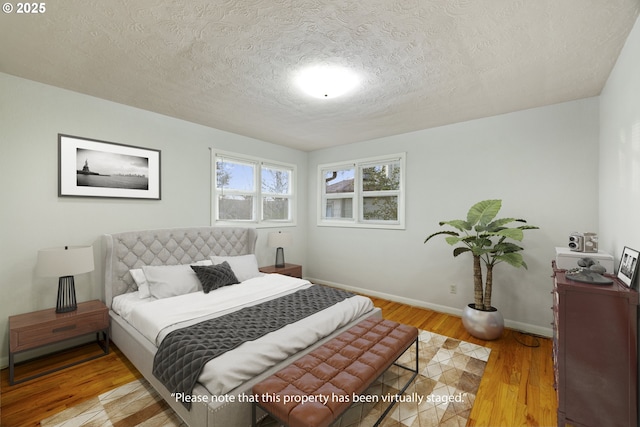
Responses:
[293,270]
[40,328]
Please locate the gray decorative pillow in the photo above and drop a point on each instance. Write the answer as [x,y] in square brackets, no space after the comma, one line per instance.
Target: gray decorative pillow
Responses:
[215,276]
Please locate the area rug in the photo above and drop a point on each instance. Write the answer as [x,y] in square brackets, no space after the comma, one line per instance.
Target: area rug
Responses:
[133,404]
[442,394]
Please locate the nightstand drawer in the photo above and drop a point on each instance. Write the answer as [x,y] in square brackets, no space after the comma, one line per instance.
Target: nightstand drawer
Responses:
[39,328]
[292,270]
[58,330]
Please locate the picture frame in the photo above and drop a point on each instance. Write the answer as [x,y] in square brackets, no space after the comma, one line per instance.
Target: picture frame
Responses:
[93,168]
[628,267]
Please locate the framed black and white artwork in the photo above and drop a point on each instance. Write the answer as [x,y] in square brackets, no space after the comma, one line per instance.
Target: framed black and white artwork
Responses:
[92,168]
[628,267]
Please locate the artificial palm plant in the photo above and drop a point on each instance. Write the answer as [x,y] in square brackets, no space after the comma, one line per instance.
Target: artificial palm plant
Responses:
[487,239]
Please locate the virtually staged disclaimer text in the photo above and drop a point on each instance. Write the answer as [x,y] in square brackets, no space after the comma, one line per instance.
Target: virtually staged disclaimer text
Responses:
[319,398]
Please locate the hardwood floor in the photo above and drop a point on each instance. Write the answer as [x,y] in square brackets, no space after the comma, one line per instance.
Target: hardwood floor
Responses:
[517,386]
[516,390]
[27,403]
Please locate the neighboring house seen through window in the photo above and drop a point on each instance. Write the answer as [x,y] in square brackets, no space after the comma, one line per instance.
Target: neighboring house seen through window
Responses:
[363,193]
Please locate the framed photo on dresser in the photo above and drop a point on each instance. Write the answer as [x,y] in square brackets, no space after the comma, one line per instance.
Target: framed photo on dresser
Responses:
[628,267]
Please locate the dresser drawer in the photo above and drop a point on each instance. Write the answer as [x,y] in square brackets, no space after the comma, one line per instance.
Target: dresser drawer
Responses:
[57,330]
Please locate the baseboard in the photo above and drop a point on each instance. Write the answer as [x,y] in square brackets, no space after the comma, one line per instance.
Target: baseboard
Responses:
[511,324]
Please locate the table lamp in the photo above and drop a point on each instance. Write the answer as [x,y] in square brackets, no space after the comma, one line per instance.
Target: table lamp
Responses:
[64,263]
[280,240]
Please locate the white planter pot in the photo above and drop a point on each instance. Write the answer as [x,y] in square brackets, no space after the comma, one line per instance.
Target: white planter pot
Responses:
[486,325]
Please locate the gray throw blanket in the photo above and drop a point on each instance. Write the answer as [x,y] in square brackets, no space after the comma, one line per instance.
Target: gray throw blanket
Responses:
[184,352]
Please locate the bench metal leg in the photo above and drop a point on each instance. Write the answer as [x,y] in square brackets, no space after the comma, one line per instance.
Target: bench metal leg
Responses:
[254,422]
[401,392]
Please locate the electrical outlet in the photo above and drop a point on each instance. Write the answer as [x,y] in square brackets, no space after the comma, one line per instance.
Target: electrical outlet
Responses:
[453,289]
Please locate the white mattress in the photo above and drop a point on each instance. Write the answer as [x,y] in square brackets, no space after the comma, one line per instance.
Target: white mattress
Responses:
[154,319]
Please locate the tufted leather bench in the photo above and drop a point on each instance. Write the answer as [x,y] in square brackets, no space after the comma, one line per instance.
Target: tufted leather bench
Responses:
[327,377]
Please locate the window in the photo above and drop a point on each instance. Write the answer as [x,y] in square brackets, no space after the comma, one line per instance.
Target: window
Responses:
[252,190]
[363,193]
[276,192]
[339,192]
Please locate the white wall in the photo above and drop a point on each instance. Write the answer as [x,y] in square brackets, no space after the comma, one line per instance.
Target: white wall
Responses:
[620,151]
[542,163]
[32,216]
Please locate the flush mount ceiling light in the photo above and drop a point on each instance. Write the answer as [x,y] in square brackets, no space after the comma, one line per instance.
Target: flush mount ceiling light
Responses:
[326,81]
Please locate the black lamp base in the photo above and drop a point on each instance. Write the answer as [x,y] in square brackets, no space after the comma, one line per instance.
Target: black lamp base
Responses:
[66,295]
[279,258]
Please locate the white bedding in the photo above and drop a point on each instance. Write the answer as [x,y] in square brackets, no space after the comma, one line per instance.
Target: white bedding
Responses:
[156,318]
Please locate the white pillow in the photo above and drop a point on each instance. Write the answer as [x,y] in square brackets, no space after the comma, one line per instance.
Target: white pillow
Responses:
[166,281]
[141,281]
[245,267]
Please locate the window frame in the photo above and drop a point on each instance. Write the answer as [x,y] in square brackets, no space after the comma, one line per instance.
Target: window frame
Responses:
[358,195]
[258,194]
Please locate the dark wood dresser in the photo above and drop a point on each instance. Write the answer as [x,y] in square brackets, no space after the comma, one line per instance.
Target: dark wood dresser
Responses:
[595,352]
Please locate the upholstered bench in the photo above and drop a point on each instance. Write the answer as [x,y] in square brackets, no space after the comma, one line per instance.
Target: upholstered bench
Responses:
[317,389]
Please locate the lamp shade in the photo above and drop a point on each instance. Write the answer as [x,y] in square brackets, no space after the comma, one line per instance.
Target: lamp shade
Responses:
[280,240]
[64,261]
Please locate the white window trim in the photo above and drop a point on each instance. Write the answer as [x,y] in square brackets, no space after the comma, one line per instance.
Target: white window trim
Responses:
[357,221]
[257,222]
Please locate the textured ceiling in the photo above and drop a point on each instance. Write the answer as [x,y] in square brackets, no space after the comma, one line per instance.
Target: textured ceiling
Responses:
[228,64]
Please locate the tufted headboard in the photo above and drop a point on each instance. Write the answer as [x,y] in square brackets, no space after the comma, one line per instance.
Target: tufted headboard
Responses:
[171,246]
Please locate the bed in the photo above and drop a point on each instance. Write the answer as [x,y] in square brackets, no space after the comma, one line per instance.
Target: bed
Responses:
[144,314]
